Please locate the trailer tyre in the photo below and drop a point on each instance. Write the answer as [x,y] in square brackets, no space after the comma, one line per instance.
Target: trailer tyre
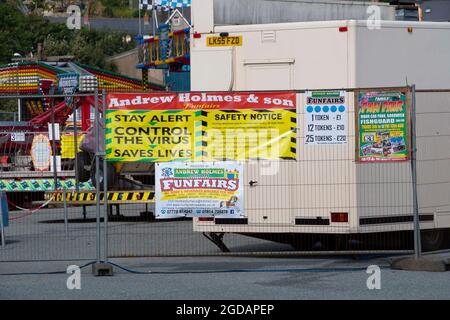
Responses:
[432,240]
[83,160]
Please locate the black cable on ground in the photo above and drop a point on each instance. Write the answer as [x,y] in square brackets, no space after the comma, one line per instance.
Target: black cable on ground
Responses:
[246,270]
[43,273]
[306,270]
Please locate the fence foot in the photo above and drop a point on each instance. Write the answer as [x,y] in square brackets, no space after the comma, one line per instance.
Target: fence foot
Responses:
[217,239]
[102,269]
[421,264]
[84,213]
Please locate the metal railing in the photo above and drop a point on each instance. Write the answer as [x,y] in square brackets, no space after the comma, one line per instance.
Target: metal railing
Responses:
[387,204]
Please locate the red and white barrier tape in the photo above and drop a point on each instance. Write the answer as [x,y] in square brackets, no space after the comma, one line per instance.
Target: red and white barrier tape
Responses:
[30,211]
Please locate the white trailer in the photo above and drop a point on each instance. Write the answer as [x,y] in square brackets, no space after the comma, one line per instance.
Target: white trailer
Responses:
[301,197]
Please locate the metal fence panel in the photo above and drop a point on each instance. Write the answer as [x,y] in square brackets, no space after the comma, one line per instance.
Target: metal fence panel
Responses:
[326,201]
[39,228]
[289,211]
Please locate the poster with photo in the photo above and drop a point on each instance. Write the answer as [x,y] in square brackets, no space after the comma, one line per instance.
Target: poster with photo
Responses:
[199,189]
[383,127]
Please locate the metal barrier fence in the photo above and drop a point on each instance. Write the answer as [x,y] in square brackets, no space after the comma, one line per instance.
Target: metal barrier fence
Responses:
[39,229]
[432,115]
[332,198]
[288,209]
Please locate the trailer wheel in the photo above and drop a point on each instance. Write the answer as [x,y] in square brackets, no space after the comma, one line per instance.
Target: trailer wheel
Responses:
[432,239]
[83,160]
[313,242]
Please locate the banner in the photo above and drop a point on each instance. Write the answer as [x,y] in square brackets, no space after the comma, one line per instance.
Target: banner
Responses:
[68,145]
[163,4]
[383,121]
[42,185]
[325,117]
[203,189]
[225,126]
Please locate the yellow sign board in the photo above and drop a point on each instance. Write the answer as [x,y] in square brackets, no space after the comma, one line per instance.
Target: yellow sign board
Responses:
[224,41]
[68,145]
[248,134]
[159,135]
[219,126]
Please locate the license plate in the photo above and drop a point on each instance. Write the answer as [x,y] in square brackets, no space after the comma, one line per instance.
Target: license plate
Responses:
[224,41]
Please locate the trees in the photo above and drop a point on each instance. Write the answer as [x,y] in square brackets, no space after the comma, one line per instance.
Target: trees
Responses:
[11,23]
[21,33]
[88,46]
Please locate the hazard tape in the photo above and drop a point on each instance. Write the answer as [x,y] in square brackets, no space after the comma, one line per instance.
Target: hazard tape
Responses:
[144,79]
[29,212]
[114,197]
[293,136]
[200,134]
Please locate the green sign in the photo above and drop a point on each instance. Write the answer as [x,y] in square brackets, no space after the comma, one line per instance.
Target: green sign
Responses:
[383,127]
[42,185]
[207,173]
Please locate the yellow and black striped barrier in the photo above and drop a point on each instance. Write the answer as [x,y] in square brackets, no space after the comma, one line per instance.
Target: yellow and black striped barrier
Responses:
[145,79]
[90,197]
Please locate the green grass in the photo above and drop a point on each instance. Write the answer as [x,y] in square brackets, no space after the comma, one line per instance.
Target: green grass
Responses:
[123,12]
